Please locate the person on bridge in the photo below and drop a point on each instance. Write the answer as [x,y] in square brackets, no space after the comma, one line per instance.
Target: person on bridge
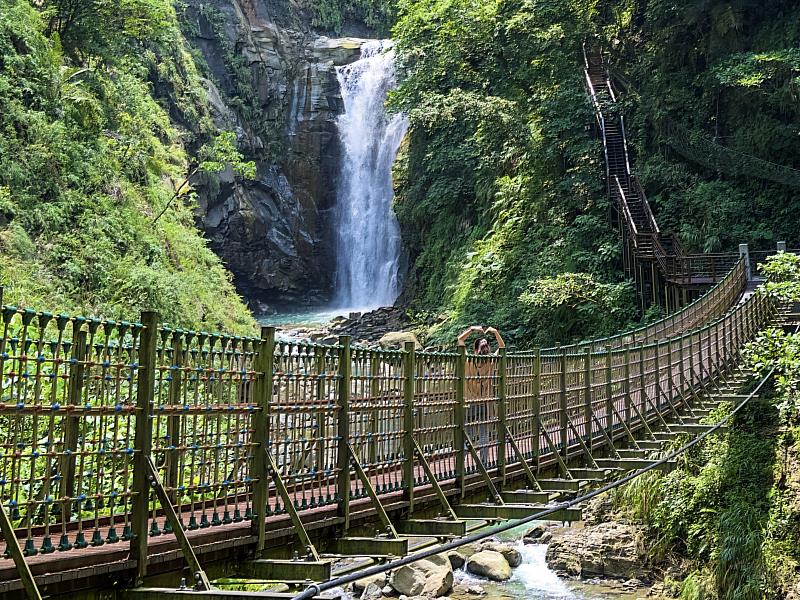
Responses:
[480,387]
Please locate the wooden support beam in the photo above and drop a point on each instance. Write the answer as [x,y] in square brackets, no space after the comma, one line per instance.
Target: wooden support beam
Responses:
[262,398]
[289,506]
[526,497]
[632,464]
[514,511]
[556,453]
[384,518]
[364,546]
[201,579]
[482,469]
[524,463]
[189,594]
[561,485]
[289,570]
[12,545]
[432,528]
[581,442]
[143,441]
[609,441]
[590,474]
[440,495]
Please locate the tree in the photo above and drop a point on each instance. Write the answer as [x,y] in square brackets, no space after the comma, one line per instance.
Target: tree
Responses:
[214,157]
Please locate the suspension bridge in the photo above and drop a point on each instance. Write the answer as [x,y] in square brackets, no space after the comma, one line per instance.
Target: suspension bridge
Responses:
[136,455]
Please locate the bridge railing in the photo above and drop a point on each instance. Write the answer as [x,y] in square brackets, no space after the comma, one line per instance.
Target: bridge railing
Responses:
[715,302]
[241,431]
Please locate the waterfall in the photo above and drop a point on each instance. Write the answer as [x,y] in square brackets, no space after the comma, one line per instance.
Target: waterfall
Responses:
[367,234]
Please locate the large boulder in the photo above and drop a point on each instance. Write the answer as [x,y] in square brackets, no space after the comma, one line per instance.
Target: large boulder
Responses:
[397,339]
[509,552]
[431,577]
[489,564]
[456,559]
[540,534]
[606,550]
[361,584]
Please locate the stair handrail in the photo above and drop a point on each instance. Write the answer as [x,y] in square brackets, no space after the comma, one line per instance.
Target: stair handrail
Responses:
[661,255]
[621,117]
[646,204]
[598,111]
[629,221]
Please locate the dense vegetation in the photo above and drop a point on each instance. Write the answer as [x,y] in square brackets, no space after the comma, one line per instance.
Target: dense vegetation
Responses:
[334,15]
[713,93]
[730,510]
[499,188]
[91,151]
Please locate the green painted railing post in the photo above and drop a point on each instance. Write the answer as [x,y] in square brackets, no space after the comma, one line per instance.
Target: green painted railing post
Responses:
[143,441]
[71,423]
[562,404]
[502,408]
[670,371]
[343,452]
[409,369]
[643,382]
[173,421]
[460,418]
[627,374]
[682,367]
[609,393]
[587,398]
[657,367]
[537,403]
[263,364]
[374,391]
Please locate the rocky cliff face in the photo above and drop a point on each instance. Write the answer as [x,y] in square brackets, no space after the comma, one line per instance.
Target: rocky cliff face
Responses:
[273,80]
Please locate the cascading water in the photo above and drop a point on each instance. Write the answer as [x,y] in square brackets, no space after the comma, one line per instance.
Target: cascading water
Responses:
[367,234]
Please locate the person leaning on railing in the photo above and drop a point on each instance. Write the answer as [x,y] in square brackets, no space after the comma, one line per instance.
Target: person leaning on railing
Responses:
[479,384]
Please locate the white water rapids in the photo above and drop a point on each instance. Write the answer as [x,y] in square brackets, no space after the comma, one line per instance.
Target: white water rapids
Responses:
[367,234]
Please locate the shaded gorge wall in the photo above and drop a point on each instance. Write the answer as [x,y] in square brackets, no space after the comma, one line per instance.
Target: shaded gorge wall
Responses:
[273,80]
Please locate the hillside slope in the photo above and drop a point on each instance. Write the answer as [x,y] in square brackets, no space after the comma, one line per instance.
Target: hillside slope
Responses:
[98,103]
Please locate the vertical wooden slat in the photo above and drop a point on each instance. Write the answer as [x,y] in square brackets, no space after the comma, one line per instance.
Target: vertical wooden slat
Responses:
[76,375]
[262,396]
[343,453]
[502,408]
[562,403]
[609,394]
[458,432]
[409,387]
[587,397]
[537,404]
[145,381]
[174,421]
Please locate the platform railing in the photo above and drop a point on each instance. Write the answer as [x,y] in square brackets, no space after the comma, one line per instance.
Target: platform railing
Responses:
[108,427]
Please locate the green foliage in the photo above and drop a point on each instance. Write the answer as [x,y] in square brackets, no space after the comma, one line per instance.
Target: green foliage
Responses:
[333,15]
[714,509]
[87,154]
[575,303]
[782,271]
[499,184]
[106,28]
[221,153]
[778,350]
[725,76]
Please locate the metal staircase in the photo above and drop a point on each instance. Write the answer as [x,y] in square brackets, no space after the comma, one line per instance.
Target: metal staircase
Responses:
[664,273]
